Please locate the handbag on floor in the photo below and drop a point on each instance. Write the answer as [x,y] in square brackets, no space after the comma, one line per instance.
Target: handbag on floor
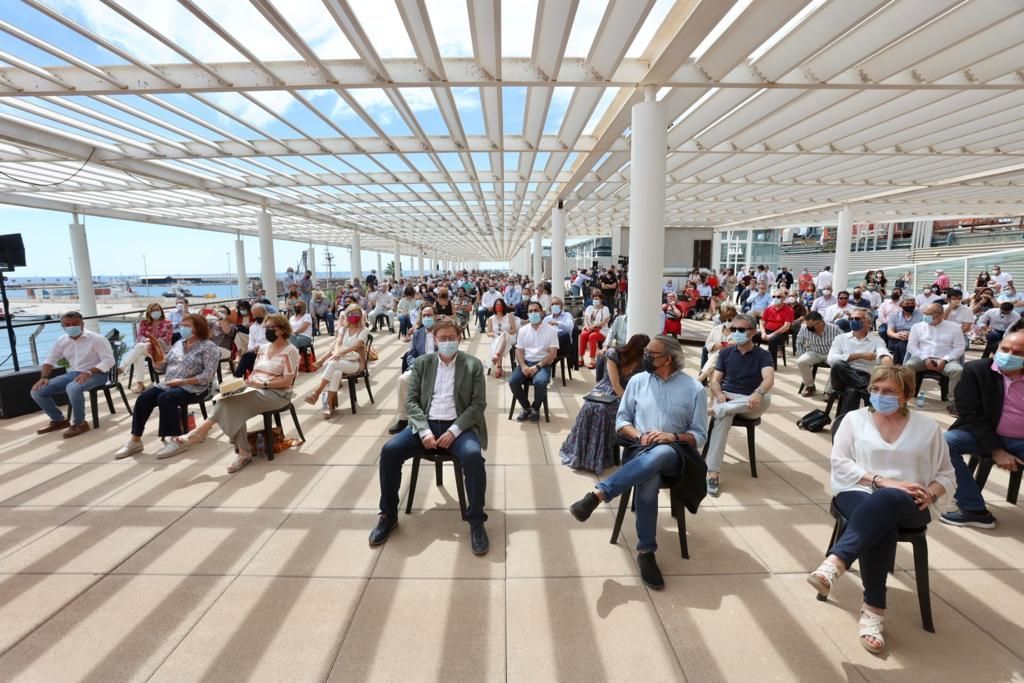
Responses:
[814,421]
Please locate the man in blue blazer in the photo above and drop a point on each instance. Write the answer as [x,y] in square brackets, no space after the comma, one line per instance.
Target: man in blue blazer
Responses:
[445,408]
[422,344]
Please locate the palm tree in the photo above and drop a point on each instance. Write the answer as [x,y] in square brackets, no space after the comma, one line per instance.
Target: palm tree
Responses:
[389,270]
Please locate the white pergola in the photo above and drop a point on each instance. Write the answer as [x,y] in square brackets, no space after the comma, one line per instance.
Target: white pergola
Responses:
[776,112]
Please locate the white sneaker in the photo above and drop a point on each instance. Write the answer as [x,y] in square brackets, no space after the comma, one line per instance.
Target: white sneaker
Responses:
[130,448]
[171,448]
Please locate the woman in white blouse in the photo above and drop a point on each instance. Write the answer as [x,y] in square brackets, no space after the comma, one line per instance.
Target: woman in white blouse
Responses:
[502,328]
[595,327]
[302,327]
[889,466]
[347,357]
[717,339]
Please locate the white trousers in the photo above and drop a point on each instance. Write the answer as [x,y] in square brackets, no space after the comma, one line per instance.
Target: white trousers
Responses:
[806,363]
[335,370]
[724,413]
[403,392]
[136,357]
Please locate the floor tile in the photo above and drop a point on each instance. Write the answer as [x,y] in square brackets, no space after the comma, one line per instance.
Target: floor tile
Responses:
[323,543]
[19,526]
[28,600]
[551,543]
[435,544]
[266,485]
[543,487]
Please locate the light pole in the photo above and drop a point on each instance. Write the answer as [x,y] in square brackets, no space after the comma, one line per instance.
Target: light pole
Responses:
[227,255]
[145,275]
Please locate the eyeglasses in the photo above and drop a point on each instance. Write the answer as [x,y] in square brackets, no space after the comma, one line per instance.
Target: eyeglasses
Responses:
[740,329]
[883,392]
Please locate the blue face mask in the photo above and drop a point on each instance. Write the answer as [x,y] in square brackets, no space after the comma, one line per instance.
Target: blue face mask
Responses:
[926,318]
[448,348]
[428,321]
[886,405]
[534,318]
[738,338]
[185,332]
[1008,362]
[73,330]
[856,325]
[555,309]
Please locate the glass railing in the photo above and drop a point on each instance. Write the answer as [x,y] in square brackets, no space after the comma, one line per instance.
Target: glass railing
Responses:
[963,271]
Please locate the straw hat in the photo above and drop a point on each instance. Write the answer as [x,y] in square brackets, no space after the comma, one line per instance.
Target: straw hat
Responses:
[231,387]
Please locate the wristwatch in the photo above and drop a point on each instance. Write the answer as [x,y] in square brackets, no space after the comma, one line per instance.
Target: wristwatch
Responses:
[265,385]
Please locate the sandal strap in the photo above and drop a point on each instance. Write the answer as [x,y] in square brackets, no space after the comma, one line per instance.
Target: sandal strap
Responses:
[829,572]
[871,624]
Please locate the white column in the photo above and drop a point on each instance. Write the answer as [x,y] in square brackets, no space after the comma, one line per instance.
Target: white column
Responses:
[398,261]
[311,262]
[357,258]
[380,266]
[558,250]
[646,215]
[267,272]
[844,233]
[716,251]
[889,235]
[616,244]
[538,263]
[243,279]
[422,272]
[83,272]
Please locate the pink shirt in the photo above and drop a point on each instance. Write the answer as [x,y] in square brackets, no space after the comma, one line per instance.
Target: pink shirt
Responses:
[1011,423]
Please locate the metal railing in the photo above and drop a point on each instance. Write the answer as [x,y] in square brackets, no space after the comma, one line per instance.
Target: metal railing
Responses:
[963,270]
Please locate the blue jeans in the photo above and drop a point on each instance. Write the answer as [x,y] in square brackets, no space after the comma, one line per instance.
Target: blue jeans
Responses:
[64,384]
[644,472]
[962,442]
[874,520]
[407,444]
[404,324]
[328,318]
[518,381]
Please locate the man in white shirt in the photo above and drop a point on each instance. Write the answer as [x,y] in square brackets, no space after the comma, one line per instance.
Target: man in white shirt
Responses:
[839,314]
[536,350]
[873,295]
[821,304]
[383,304]
[89,357]
[926,298]
[938,345]
[823,279]
[486,307]
[994,323]
[956,312]
[257,338]
[446,406]
[1000,277]
[852,358]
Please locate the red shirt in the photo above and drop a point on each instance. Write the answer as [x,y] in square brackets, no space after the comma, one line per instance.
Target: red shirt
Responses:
[774,317]
[712,281]
[806,282]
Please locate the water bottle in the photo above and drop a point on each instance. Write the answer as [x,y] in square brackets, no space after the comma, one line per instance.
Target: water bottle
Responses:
[191,421]
[261,448]
[920,399]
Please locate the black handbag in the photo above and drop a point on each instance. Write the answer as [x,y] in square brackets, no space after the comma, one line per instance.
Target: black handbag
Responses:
[814,421]
[600,397]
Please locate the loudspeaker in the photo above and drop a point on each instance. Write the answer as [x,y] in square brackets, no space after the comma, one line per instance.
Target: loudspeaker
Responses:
[15,388]
[12,252]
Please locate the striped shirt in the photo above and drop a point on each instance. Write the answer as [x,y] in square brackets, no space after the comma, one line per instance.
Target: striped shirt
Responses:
[816,343]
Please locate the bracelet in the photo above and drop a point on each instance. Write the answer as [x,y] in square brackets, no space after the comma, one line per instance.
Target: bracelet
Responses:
[874,482]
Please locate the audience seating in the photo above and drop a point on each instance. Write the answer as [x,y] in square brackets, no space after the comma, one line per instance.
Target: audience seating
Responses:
[751,426]
[438,457]
[113,382]
[982,465]
[938,377]
[193,399]
[364,374]
[918,538]
[678,511]
[515,404]
[268,434]
[814,374]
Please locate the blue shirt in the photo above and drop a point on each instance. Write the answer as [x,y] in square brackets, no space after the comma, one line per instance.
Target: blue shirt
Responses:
[898,323]
[759,302]
[513,297]
[742,370]
[677,404]
[564,320]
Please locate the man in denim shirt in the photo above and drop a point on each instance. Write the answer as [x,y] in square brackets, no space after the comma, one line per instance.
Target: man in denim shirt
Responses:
[661,409]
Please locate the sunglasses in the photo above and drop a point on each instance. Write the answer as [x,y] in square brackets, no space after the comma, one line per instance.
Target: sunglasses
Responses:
[740,329]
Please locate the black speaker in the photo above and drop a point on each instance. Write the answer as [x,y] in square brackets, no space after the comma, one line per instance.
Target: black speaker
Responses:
[12,252]
[15,388]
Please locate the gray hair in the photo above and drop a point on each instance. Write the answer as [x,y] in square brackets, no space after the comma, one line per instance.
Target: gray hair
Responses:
[673,349]
[868,313]
[72,315]
[747,318]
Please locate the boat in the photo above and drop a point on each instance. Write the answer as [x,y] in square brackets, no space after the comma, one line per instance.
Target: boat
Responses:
[29,315]
[177,292]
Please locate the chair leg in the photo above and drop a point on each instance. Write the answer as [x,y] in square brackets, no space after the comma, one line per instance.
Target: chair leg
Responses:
[295,420]
[924,596]
[707,441]
[621,515]
[972,464]
[413,476]
[752,450]
[94,401]
[561,365]
[1014,489]
[202,409]
[680,515]
[110,400]
[124,398]
[268,436]
[369,391]
[511,409]
[981,476]
[438,473]
[460,488]
[352,394]
[220,376]
[547,415]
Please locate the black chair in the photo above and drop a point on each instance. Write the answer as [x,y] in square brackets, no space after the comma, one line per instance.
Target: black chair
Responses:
[438,457]
[814,374]
[512,407]
[918,539]
[751,426]
[678,511]
[364,374]
[938,377]
[275,415]
[231,367]
[980,466]
[154,376]
[379,321]
[864,397]
[193,399]
[113,382]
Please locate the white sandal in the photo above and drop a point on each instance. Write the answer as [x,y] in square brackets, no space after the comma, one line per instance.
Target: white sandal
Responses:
[871,626]
[824,577]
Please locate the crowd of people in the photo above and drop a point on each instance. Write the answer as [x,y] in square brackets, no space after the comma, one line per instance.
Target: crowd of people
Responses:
[647,410]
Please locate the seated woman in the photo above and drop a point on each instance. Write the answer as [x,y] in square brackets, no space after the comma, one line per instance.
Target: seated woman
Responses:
[590,444]
[674,313]
[345,358]
[595,327]
[718,338]
[269,388]
[222,332]
[502,328]
[444,304]
[405,306]
[191,365]
[154,330]
[302,327]
[616,331]
[889,465]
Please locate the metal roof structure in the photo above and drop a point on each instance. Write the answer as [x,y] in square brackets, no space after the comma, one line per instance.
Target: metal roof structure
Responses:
[449,126]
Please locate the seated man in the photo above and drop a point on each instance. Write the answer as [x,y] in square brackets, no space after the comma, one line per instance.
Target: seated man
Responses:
[756,303]
[89,357]
[852,358]
[990,402]
[938,345]
[563,323]
[665,412]
[993,324]
[536,349]
[382,304]
[813,342]
[839,313]
[485,309]
[422,344]
[740,384]
[898,326]
[776,322]
[257,338]
[446,404]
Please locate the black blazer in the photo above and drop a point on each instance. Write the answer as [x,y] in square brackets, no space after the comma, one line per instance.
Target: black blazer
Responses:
[979,400]
[691,484]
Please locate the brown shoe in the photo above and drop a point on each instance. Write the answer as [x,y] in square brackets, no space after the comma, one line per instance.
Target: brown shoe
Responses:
[74,430]
[54,426]
[808,391]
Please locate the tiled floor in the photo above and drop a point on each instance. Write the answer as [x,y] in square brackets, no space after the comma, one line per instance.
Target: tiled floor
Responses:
[176,571]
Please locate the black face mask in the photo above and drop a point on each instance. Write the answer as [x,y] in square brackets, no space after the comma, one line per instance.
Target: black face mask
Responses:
[649,364]
[909,309]
[271,335]
[259,319]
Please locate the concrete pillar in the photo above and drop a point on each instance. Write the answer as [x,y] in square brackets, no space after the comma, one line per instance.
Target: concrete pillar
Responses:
[889,235]
[558,250]
[311,262]
[422,272]
[844,234]
[83,273]
[616,244]
[267,272]
[398,261]
[243,279]
[380,266]
[357,257]
[646,215]
[538,263]
[716,251]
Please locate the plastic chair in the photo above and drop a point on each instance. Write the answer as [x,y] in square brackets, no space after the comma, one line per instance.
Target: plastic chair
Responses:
[981,465]
[751,426]
[364,374]
[512,407]
[938,377]
[275,415]
[678,511]
[113,382]
[438,457]
[814,374]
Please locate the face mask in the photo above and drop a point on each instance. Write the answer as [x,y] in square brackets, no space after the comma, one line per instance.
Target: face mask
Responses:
[73,330]
[556,309]
[271,335]
[909,309]
[180,308]
[1008,362]
[534,318]
[185,332]
[156,315]
[856,325]
[598,303]
[243,311]
[927,318]
[448,348]
[353,319]
[259,319]
[649,364]
[428,321]
[738,338]
[886,405]
[826,292]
